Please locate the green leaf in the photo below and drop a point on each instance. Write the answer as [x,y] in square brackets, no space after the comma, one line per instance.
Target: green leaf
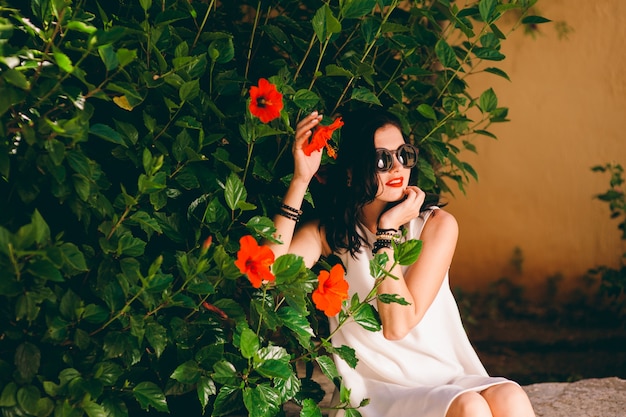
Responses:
[261,401]
[107,133]
[263,226]
[70,305]
[486,9]
[286,268]
[44,407]
[63,61]
[27,398]
[305,99]
[367,317]
[130,246]
[406,253]
[249,343]
[95,314]
[498,71]
[273,368]
[298,324]
[149,395]
[227,402]
[205,389]
[485,133]
[17,78]
[115,407]
[488,101]
[310,409]
[81,27]
[427,111]
[534,20]
[354,9]
[278,37]
[145,4]
[187,372]
[325,23]
[489,54]
[334,70]
[224,372]
[45,269]
[346,353]
[234,191]
[82,186]
[189,90]
[222,50]
[156,335]
[365,95]
[146,223]
[107,373]
[328,367]
[108,56]
[27,360]
[392,298]
[207,356]
[94,410]
[418,71]
[125,57]
[8,397]
[445,54]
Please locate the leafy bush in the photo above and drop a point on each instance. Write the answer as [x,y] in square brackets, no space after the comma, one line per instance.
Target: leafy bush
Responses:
[613,280]
[131,166]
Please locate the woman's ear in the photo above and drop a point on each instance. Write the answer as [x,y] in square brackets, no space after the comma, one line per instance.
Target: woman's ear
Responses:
[349,178]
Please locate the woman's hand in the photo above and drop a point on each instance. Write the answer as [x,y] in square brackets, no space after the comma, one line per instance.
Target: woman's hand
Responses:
[306,166]
[405,211]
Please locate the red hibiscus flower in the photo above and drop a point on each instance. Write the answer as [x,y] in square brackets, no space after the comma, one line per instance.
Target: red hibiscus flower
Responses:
[265,101]
[320,138]
[255,261]
[331,291]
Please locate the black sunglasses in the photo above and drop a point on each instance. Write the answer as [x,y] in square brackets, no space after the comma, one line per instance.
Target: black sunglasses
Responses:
[406,154]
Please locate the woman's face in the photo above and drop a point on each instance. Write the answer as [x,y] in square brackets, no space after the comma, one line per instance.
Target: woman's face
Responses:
[391,184]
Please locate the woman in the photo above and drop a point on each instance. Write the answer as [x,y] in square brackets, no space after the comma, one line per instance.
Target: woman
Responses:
[421,363]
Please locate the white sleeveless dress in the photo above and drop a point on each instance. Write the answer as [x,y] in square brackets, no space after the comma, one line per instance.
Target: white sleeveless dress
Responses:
[421,374]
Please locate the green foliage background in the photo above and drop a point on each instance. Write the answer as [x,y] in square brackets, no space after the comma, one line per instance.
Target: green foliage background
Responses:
[126,142]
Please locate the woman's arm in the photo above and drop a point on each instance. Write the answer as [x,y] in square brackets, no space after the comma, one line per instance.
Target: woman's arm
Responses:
[422,281]
[306,241]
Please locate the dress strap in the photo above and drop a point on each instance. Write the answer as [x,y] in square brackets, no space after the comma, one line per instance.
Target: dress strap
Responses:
[416,225]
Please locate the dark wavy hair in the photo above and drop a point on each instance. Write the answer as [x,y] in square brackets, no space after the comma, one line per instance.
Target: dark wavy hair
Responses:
[343,200]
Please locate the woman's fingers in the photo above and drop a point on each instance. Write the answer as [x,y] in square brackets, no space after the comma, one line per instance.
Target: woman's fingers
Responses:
[304,127]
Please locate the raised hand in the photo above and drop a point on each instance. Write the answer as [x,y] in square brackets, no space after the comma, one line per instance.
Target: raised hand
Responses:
[306,166]
[406,210]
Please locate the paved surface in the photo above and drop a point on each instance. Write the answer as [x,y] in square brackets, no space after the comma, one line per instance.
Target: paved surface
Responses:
[602,397]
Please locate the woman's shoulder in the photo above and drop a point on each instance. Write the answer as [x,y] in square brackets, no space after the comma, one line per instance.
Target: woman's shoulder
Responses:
[315,232]
[438,220]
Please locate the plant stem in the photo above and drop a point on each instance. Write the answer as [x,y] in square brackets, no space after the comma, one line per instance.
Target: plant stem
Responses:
[206,17]
[304,58]
[437,126]
[248,159]
[254,27]
[368,49]
[119,314]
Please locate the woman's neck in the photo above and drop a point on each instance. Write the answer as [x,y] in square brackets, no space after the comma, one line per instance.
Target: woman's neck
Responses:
[370,214]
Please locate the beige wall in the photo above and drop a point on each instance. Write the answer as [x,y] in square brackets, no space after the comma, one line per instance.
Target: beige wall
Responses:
[567,105]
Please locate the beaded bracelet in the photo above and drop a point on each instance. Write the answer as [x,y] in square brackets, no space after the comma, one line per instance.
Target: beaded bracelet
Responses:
[289,215]
[381,243]
[291,209]
[391,236]
[383,231]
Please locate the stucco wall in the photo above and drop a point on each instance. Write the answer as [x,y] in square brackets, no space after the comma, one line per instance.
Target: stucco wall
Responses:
[567,105]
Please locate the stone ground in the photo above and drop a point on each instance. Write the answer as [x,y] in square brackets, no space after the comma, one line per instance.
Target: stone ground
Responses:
[536,354]
[597,397]
[594,397]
